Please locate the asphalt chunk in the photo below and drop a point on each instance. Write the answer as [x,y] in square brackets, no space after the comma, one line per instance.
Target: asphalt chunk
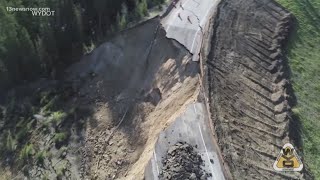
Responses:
[182,161]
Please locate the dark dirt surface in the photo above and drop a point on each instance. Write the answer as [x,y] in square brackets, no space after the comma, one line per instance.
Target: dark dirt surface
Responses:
[249,91]
[183,162]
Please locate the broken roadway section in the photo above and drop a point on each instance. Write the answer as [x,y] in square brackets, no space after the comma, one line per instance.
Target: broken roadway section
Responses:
[186,22]
[191,127]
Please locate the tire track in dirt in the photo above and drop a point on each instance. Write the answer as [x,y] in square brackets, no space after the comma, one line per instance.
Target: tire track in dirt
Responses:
[249,92]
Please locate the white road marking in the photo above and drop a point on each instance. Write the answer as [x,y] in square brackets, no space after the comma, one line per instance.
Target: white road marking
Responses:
[194,39]
[194,107]
[205,147]
[200,24]
[156,161]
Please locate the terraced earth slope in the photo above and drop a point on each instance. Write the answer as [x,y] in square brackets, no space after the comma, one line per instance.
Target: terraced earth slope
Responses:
[250,95]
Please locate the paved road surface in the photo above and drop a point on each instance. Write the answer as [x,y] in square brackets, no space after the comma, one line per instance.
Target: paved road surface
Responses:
[189,33]
[192,127]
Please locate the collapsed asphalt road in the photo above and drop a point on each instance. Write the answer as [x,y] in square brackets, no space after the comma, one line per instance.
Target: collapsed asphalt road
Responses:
[186,23]
[192,126]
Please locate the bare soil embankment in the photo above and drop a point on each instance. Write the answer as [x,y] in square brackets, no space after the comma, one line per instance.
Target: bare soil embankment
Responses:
[249,91]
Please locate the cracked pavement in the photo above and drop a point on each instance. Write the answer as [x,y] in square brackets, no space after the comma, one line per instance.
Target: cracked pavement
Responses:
[188,31]
[191,127]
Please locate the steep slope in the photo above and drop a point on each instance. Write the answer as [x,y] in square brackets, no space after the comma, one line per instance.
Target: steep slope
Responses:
[249,92]
[135,84]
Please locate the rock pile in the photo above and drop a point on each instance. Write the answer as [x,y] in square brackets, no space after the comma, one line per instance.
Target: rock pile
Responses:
[183,162]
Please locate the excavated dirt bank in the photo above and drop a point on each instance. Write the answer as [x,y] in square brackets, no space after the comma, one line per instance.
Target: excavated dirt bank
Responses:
[249,91]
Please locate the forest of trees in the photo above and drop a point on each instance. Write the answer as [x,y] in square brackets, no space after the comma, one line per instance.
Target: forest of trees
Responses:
[41,46]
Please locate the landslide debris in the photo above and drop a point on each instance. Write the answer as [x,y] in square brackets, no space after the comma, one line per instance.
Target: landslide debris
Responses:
[183,162]
[103,119]
[249,91]
[135,83]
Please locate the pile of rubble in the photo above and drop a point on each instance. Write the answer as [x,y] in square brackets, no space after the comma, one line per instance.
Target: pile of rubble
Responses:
[183,162]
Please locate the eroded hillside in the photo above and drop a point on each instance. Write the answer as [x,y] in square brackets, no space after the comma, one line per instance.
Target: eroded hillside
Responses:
[103,119]
[142,78]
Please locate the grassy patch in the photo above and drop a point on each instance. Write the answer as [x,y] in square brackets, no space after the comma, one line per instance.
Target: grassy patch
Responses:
[58,117]
[26,152]
[45,177]
[11,143]
[40,157]
[59,138]
[23,129]
[60,170]
[63,151]
[304,61]
[52,104]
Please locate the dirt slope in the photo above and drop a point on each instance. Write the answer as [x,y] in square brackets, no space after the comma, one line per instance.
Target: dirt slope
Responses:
[135,84]
[248,86]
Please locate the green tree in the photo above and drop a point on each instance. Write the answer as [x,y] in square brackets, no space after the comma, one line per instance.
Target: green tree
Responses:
[142,8]
[8,42]
[27,61]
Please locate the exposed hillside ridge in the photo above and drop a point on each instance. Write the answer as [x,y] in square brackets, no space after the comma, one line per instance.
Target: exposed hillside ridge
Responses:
[249,91]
